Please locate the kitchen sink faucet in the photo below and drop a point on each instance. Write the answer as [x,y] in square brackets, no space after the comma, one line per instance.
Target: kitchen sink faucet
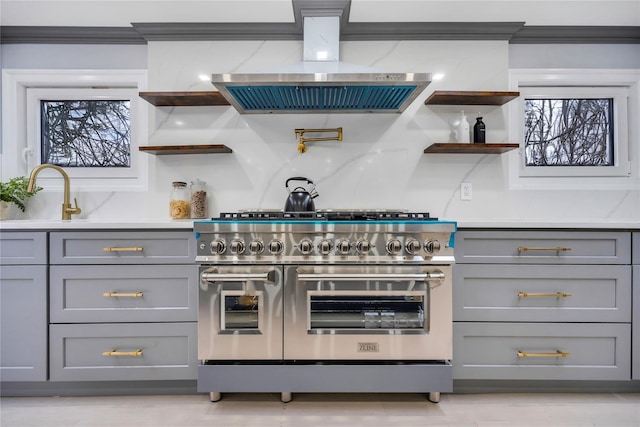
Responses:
[67,210]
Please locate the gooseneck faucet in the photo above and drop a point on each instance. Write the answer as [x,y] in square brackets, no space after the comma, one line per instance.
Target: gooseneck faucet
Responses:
[67,210]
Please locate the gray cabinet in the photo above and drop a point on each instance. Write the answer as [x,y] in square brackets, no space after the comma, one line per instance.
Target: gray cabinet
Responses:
[635,368]
[23,306]
[123,306]
[121,247]
[534,305]
[122,351]
[542,351]
[543,247]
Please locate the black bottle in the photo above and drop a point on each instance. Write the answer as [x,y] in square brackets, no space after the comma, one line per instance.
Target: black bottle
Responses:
[479,131]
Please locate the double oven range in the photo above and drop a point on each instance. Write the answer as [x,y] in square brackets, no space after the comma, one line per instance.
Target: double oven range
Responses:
[326,301]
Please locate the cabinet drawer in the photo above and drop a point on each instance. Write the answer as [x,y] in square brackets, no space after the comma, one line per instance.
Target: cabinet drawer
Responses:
[23,323]
[23,248]
[543,247]
[165,351]
[126,293]
[169,247]
[527,293]
[636,247]
[594,351]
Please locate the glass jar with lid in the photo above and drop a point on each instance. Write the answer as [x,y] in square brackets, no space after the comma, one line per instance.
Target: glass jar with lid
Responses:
[198,199]
[179,203]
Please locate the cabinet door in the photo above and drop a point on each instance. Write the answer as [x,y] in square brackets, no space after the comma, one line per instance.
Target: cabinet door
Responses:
[136,247]
[543,247]
[124,293]
[23,323]
[542,293]
[636,323]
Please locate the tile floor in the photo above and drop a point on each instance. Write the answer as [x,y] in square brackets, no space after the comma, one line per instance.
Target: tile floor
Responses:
[327,410]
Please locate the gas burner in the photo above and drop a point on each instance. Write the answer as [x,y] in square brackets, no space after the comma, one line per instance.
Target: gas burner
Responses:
[329,215]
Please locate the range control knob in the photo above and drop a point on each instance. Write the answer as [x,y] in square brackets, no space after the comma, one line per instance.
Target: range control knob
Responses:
[363,246]
[325,246]
[276,247]
[432,246]
[305,246]
[393,246]
[218,247]
[237,246]
[343,246]
[412,246]
[256,247]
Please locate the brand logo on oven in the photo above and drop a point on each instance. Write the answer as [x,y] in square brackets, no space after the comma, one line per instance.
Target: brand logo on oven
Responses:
[368,347]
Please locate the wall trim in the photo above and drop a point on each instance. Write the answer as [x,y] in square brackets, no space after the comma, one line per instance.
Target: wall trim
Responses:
[141,33]
[70,35]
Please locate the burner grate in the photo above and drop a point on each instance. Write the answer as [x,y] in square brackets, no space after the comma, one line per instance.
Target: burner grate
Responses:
[326,216]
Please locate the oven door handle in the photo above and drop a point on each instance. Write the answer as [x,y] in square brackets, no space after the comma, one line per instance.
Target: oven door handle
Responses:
[434,275]
[211,277]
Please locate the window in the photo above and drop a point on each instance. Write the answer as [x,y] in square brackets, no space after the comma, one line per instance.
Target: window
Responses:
[568,132]
[573,128]
[86,133]
[90,123]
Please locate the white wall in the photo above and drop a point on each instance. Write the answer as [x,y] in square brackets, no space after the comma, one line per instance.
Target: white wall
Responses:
[379,164]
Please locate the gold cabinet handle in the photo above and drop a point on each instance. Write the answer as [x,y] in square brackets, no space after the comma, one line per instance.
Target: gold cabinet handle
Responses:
[556,249]
[558,353]
[114,353]
[557,295]
[123,249]
[122,294]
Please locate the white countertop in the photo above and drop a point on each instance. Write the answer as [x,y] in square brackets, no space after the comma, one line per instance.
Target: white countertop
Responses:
[551,223]
[83,224]
[187,224]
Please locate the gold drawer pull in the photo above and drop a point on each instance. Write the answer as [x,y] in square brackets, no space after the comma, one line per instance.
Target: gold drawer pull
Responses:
[558,353]
[557,249]
[557,295]
[123,249]
[118,294]
[114,353]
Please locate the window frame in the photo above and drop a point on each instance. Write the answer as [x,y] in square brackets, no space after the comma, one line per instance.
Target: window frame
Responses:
[621,85]
[21,136]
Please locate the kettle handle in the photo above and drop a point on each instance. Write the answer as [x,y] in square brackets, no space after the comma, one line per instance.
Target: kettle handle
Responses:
[297,178]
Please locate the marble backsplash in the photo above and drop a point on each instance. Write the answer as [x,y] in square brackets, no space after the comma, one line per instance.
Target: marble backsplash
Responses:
[380,164]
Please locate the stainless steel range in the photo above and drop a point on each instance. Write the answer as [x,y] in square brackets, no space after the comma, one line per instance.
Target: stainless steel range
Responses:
[325,302]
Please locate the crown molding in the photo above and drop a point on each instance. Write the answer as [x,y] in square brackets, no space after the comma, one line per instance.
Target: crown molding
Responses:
[70,35]
[577,34]
[141,33]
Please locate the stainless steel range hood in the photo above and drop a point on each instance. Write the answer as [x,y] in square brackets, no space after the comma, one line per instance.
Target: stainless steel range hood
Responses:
[321,83]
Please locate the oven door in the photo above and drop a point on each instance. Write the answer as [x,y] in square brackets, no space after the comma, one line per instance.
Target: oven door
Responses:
[368,313]
[240,313]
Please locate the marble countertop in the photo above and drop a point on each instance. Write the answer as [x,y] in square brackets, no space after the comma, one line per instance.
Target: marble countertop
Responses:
[96,224]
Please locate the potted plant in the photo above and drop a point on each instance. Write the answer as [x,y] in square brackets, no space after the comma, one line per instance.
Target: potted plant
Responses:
[14,192]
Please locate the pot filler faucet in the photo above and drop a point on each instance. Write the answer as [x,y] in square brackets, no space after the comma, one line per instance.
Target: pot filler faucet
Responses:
[302,148]
[67,210]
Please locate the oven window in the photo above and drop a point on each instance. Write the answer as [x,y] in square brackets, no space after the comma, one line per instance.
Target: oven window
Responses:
[367,312]
[240,312]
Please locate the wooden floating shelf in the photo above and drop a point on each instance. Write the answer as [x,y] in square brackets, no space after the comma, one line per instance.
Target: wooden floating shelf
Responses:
[185,149]
[455,148]
[442,97]
[184,99]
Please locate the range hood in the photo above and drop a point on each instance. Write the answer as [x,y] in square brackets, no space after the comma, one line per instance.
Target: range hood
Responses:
[321,83]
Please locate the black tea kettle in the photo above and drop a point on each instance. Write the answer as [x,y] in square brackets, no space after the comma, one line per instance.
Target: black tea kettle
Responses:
[300,199]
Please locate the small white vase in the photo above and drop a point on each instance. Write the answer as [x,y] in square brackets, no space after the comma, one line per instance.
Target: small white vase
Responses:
[5,210]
